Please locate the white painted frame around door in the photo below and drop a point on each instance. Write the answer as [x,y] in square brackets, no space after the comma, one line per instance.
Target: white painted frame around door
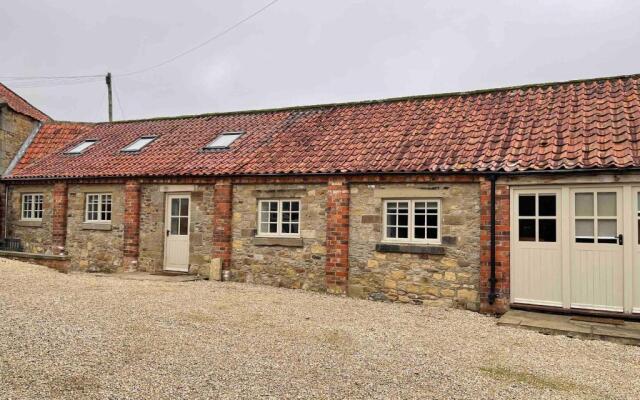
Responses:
[176,242]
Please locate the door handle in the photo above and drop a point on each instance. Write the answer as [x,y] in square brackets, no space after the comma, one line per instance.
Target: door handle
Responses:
[167,232]
[620,239]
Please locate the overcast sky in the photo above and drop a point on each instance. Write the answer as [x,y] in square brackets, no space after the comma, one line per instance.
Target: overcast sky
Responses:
[304,51]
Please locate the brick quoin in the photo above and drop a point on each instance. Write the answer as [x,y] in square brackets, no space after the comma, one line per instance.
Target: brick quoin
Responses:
[59,218]
[501,304]
[131,225]
[337,264]
[222,200]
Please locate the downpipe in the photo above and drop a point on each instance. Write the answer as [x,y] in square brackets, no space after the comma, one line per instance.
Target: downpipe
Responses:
[492,279]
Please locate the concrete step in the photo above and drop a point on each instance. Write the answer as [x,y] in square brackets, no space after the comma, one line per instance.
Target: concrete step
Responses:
[593,328]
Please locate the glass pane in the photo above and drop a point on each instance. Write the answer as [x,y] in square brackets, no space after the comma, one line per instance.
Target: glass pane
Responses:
[419,233]
[420,220]
[184,225]
[584,227]
[403,220]
[391,206]
[584,204]
[432,233]
[175,222]
[403,207]
[607,204]
[607,228]
[547,230]
[294,228]
[391,232]
[433,205]
[264,206]
[527,230]
[273,205]
[547,205]
[295,206]
[184,207]
[285,228]
[432,220]
[419,207]
[286,206]
[295,217]
[175,206]
[403,233]
[264,227]
[527,206]
[392,219]
[638,203]
[273,228]
[273,217]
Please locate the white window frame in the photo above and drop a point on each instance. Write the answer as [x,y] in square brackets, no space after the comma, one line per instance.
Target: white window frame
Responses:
[411,239]
[31,212]
[147,141]
[279,233]
[213,146]
[101,203]
[81,147]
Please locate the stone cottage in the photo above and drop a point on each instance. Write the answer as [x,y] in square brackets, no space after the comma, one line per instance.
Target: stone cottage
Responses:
[517,197]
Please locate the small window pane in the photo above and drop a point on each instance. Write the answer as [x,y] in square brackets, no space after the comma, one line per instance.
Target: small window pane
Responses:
[286,206]
[391,232]
[175,207]
[81,147]
[285,228]
[584,228]
[273,228]
[607,204]
[184,225]
[432,233]
[295,217]
[223,141]
[547,230]
[607,229]
[432,220]
[184,207]
[175,225]
[420,220]
[392,219]
[294,228]
[403,220]
[420,233]
[527,206]
[139,144]
[584,204]
[527,230]
[403,233]
[273,206]
[547,205]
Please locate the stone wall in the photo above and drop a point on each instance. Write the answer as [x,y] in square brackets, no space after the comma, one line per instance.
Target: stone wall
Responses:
[95,247]
[14,129]
[34,235]
[450,279]
[152,227]
[275,262]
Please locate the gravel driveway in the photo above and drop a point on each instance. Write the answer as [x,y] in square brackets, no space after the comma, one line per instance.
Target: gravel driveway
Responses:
[84,336]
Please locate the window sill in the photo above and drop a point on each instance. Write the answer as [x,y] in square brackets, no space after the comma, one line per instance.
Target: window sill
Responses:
[97,226]
[34,224]
[277,241]
[410,248]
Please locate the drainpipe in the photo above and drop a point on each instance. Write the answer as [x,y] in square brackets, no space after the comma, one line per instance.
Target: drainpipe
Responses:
[6,210]
[492,278]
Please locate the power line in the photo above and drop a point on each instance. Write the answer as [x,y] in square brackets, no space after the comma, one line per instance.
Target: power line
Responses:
[53,83]
[61,79]
[115,89]
[206,42]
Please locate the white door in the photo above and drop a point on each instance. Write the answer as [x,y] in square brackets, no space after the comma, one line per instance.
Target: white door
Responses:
[536,272]
[597,256]
[176,249]
[635,266]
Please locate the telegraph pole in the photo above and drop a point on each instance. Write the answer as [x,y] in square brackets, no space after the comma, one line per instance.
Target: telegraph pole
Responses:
[108,79]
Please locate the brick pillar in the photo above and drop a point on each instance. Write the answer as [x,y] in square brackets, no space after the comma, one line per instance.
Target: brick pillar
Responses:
[501,304]
[59,218]
[222,200]
[337,264]
[131,225]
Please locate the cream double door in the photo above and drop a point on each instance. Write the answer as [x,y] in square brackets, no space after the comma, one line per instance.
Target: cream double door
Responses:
[576,247]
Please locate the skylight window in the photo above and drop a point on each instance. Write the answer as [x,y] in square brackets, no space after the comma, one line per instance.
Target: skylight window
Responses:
[224,140]
[80,148]
[139,144]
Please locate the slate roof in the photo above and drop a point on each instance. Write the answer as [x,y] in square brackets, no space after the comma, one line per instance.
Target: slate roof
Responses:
[20,105]
[589,124]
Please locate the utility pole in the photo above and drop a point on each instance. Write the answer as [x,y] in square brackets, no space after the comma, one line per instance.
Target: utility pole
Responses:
[110,99]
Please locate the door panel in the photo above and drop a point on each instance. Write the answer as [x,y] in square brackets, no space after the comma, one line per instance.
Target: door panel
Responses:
[536,268]
[597,259]
[635,268]
[176,256]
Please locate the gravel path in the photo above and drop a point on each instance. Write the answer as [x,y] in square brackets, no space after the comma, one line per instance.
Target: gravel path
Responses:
[83,336]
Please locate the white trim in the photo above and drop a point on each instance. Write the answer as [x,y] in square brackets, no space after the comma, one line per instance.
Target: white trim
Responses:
[279,221]
[101,202]
[411,217]
[635,310]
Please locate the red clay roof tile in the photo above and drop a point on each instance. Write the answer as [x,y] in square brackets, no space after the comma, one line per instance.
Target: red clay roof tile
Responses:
[20,105]
[572,125]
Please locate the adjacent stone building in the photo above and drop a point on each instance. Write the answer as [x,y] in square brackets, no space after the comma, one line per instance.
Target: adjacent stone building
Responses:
[519,197]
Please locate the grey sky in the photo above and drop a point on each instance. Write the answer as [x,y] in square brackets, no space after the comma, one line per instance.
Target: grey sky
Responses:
[305,52]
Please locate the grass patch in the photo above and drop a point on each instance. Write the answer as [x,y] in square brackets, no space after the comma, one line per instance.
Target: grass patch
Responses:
[540,382]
